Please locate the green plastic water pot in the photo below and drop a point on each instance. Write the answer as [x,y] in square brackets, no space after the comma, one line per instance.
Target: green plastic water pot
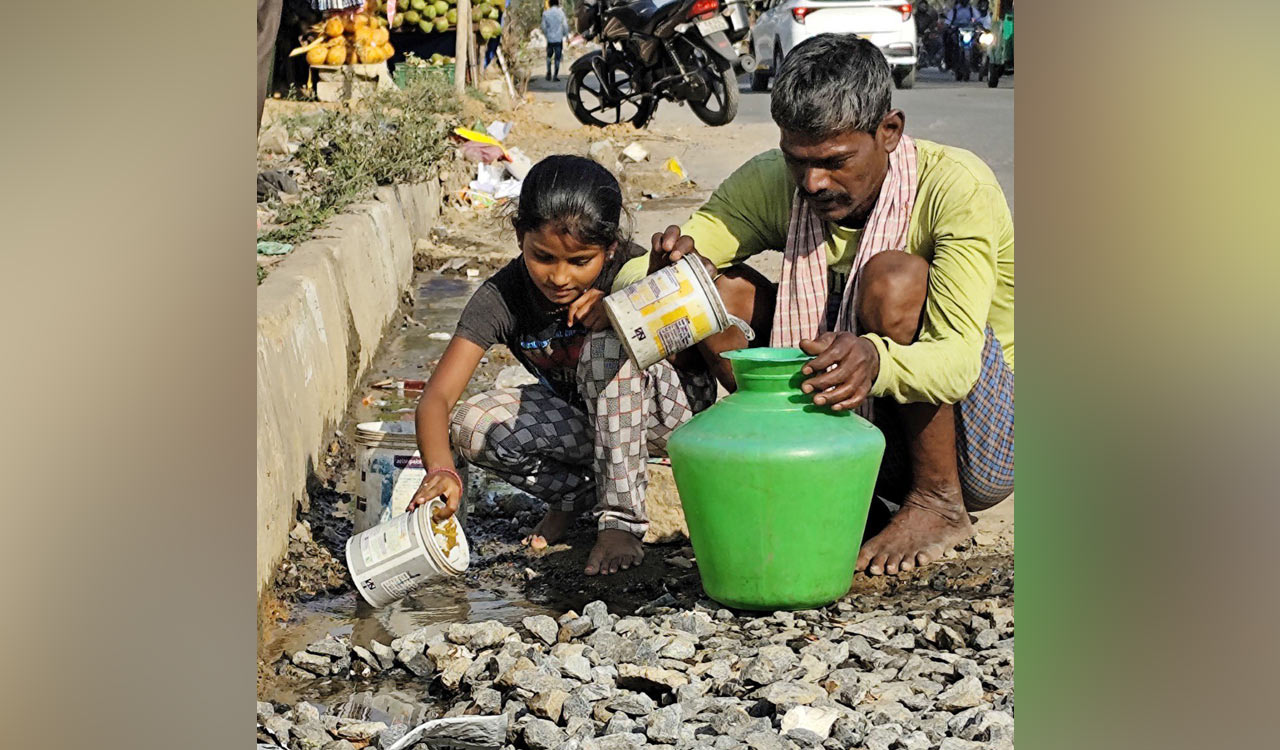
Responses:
[775,489]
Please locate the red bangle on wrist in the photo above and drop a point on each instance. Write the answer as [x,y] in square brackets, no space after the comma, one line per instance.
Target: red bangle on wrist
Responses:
[443,470]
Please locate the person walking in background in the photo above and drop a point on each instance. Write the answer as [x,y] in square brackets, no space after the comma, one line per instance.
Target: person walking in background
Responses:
[555,27]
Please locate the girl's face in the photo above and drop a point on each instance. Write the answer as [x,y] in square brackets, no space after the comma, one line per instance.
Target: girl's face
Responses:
[561,267]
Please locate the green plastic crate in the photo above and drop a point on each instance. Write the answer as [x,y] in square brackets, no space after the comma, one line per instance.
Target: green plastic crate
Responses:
[404,75]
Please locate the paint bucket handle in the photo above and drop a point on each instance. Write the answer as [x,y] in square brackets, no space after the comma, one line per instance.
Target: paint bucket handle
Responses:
[743,326]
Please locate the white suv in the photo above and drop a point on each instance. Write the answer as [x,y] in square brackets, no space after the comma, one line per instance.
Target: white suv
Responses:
[785,23]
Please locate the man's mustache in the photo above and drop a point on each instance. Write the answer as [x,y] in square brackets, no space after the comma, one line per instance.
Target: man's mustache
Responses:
[825,196]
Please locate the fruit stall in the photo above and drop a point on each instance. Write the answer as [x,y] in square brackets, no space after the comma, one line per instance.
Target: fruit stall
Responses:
[411,37]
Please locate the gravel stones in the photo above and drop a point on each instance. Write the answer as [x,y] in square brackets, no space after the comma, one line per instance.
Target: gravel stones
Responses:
[330,646]
[548,704]
[576,666]
[543,627]
[385,654]
[813,719]
[479,636]
[575,628]
[629,741]
[452,662]
[786,695]
[315,663]
[770,664]
[966,693]
[664,724]
[359,731]
[880,672]
[633,704]
[649,679]
[598,613]
[541,734]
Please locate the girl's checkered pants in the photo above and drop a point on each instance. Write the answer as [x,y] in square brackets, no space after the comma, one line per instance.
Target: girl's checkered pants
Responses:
[535,440]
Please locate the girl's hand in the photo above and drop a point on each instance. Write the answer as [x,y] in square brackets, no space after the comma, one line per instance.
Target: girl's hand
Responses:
[435,484]
[588,309]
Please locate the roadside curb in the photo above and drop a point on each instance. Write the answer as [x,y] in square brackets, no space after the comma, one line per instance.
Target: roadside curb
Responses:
[322,312]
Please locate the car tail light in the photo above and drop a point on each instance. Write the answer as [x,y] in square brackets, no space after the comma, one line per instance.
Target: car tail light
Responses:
[702,7]
[800,13]
[906,11]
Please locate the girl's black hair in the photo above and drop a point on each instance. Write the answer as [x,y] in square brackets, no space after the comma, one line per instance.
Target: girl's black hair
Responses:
[575,195]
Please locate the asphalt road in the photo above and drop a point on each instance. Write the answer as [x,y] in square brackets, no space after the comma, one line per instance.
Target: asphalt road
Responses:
[968,115]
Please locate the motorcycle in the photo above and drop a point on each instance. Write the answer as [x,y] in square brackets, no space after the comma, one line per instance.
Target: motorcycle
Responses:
[967,51]
[932,48]
[679,51]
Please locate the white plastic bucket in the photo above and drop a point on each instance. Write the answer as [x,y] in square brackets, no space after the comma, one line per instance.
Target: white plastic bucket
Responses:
[390,561]
[668,312]
[390,472]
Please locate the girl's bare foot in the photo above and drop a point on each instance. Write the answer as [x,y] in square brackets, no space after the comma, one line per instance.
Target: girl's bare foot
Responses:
[925,528]
[615,550]
[549,530]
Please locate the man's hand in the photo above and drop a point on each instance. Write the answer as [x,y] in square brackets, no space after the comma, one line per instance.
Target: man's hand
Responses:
[588,310]
[670,246]
[857,363]
[434,485]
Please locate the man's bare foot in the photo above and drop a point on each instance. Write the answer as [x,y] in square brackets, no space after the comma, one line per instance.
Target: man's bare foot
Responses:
[924,529]
[615,550]
[549,530]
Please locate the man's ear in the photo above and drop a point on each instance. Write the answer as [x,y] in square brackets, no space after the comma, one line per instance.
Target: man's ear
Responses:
[890,130]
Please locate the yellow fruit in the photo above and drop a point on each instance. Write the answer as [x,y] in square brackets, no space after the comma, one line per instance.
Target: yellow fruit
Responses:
[333,27]
[348,24]
[337,54]
[353,57]
[387,50]
[361,19]
[362,34]
[317,55]
[380,36]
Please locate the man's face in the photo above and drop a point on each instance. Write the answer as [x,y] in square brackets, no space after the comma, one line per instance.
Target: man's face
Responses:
[841,175]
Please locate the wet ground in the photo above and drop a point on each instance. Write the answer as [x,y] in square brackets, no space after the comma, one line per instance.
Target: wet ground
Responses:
[506,582]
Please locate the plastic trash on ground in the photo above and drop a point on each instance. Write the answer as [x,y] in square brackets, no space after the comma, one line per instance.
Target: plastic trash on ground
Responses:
[673,165]
[519,165]
[499,129]
[635,152]
[273,248]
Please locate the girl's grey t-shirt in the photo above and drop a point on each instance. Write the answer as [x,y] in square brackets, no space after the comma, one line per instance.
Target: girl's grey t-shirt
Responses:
[508,309]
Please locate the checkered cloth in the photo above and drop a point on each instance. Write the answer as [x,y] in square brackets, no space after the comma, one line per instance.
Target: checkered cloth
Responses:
[535,440]
[984,431]
[984,437]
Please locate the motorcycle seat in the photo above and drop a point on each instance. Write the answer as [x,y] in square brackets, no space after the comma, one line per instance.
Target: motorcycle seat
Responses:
[643,15]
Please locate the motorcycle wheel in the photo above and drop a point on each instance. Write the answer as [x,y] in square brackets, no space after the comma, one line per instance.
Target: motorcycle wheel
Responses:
[993,78]
[904,80]
[593,106]
[722,106]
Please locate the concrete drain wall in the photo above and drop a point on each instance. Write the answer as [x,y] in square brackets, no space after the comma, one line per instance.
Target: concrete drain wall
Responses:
[321,316]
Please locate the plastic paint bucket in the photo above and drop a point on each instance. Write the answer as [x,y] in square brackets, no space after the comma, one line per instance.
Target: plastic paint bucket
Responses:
[390,472]
[391,560]
[668,312]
